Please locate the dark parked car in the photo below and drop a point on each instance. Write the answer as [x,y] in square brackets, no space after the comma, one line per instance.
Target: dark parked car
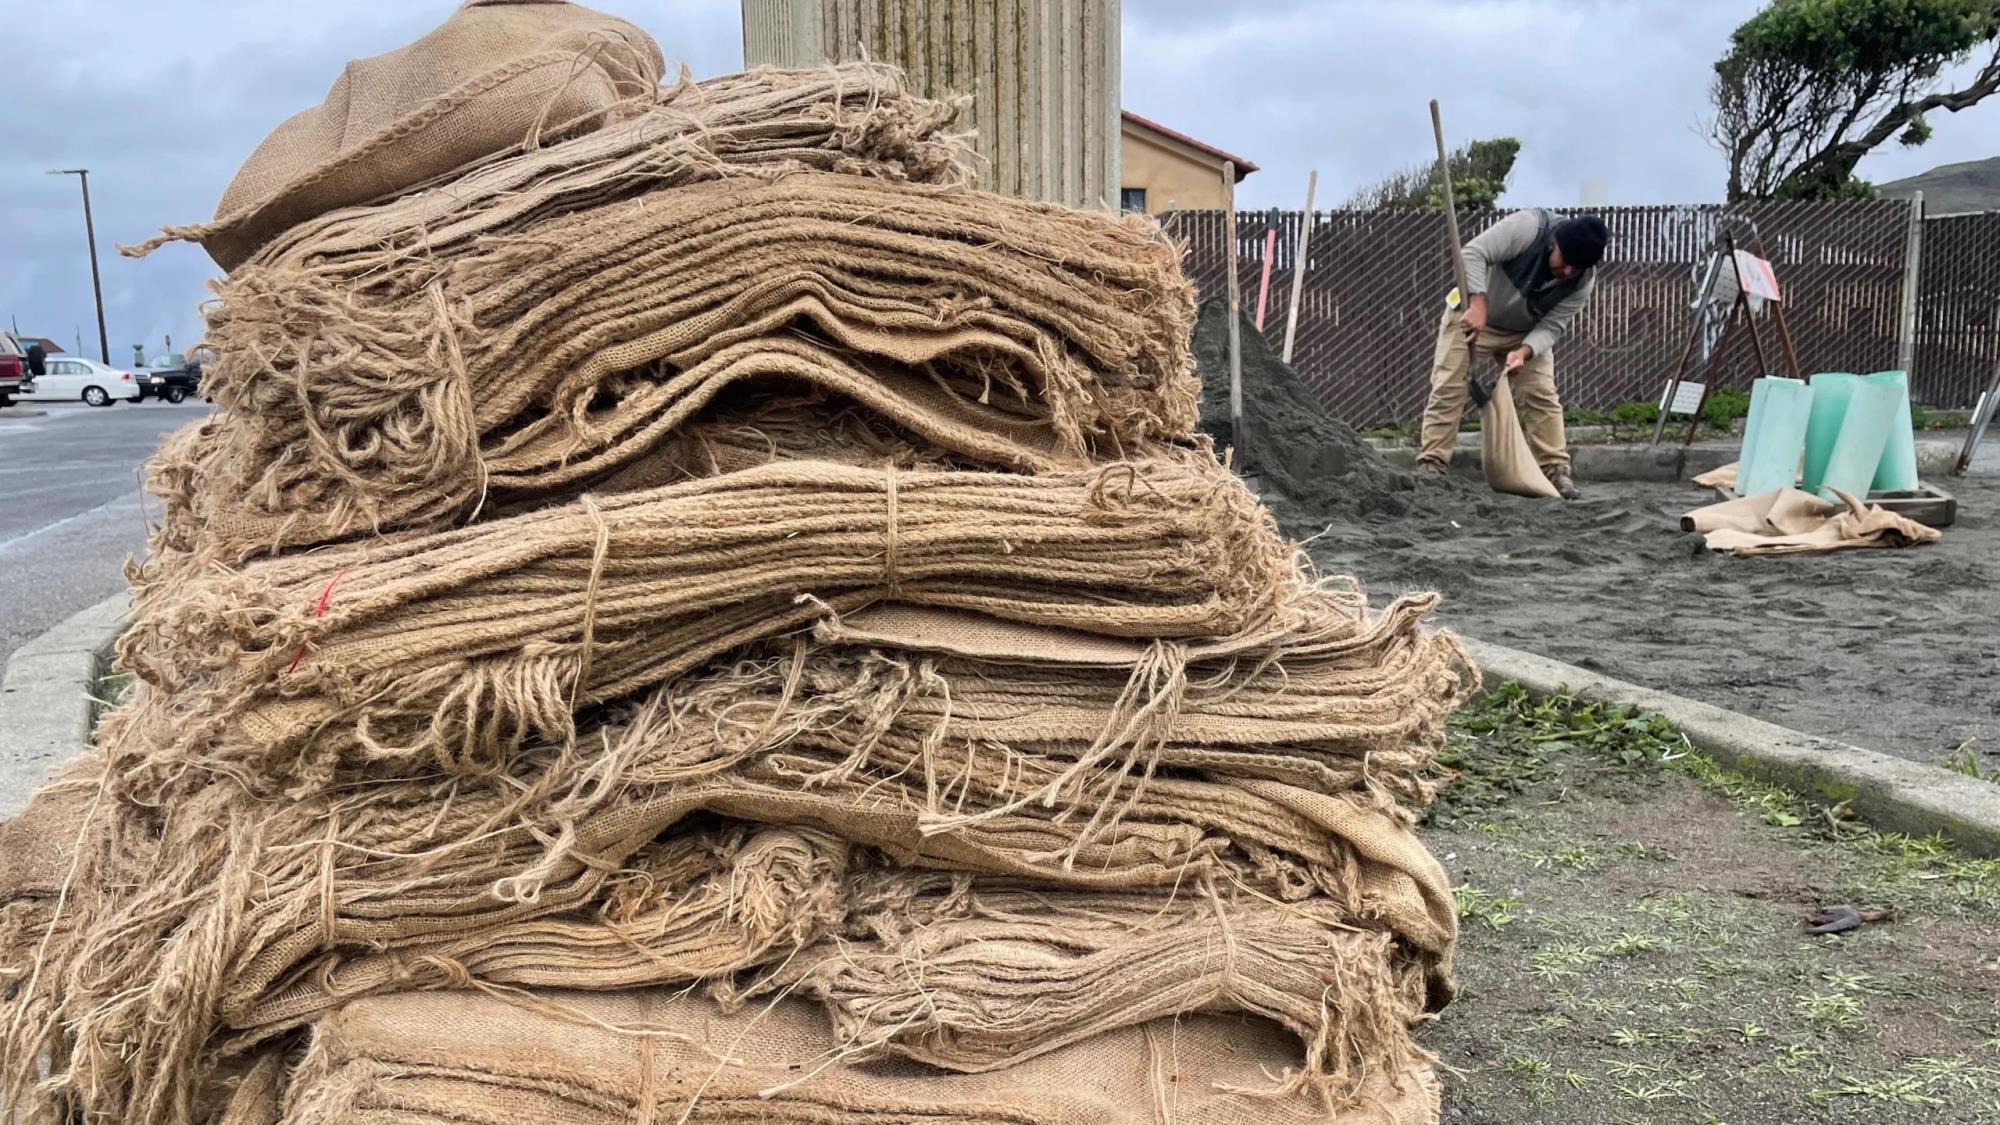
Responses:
[171,378]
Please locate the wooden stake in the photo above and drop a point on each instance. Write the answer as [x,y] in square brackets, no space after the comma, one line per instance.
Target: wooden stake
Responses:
[1299,264]
[1236,435]
[1473,393]
[1450,213]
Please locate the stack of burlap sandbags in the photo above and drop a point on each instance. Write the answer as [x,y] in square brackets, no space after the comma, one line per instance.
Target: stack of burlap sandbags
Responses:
[686,612]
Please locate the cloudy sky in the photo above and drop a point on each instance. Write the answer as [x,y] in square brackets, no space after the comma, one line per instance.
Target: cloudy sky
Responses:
[162,99]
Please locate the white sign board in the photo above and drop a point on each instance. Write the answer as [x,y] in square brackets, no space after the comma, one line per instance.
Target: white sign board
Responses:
[1759,279]
[1687,398]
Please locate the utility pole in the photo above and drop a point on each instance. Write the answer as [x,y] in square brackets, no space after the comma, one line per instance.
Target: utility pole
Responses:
[90,236]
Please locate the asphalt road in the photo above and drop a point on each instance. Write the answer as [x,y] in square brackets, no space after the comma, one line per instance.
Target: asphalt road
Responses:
[70,508]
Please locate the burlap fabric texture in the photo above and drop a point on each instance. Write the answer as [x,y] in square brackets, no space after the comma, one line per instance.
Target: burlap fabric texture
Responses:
[426,359]
[840,821]
[690,613]
[431,1059]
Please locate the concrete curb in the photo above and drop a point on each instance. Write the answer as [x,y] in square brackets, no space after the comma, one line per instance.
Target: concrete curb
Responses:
[1888,792]
[47,703]
[16,412]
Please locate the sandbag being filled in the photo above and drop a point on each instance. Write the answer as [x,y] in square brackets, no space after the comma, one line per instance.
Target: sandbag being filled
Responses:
[1509,463]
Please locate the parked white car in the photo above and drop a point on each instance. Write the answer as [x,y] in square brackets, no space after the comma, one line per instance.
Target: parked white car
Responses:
[71,379]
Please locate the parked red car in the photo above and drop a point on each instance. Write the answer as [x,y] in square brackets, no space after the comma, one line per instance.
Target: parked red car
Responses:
[13,364]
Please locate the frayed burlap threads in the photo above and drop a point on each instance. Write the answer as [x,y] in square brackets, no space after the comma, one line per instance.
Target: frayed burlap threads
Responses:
[709,619]
[549,879]
[395,652]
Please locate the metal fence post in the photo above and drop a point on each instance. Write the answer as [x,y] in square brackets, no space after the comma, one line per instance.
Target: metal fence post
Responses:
[1913,254]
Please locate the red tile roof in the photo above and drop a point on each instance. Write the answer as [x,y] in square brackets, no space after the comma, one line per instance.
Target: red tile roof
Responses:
[1243,167]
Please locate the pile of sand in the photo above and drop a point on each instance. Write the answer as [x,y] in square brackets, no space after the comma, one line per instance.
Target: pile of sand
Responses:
[1302,455]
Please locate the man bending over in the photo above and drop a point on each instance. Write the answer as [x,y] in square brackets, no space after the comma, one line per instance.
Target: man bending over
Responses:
[1527,277]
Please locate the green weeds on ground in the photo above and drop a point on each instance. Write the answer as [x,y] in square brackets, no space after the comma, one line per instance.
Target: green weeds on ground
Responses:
[1503,743]
[1596,1002]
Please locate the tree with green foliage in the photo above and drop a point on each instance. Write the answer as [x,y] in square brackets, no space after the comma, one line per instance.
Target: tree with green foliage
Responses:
[1809,87]
[1479,172]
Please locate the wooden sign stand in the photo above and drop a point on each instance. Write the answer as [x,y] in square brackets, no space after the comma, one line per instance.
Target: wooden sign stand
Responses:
[1739,309]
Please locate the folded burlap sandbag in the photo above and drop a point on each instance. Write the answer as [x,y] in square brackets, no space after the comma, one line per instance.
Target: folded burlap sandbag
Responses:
[972,980]
[453,650]
[660,1056]
[38,850]
[596,862]
[857,118]
[1012,333]
[688,613]
[498,75]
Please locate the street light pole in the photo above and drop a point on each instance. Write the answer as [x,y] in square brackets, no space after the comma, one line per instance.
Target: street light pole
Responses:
[90,235]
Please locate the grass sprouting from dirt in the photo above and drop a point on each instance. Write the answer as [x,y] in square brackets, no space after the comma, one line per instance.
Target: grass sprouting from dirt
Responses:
[112,689]
[1633,945]
[1966,761]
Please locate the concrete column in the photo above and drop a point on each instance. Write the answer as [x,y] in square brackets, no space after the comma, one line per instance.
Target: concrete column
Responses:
[1043,77]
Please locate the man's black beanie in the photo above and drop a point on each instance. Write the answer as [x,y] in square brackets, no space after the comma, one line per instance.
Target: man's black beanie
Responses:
[1582,240]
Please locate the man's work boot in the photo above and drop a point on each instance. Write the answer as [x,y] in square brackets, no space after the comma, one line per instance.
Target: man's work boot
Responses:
[1430,468]
[1565,487]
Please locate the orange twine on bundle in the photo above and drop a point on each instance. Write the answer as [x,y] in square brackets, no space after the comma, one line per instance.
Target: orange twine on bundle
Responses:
[319,610]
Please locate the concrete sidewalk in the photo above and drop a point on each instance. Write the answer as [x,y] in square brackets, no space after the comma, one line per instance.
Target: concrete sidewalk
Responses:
[47,699]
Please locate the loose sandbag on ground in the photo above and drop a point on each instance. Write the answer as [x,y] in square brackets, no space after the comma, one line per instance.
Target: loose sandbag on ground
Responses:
[1790,522]
[468,1060]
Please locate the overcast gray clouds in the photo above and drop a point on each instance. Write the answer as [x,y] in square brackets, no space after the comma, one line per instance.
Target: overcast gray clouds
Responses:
[162,99]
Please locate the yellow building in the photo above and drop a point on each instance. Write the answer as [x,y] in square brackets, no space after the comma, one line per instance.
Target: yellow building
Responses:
[1161,170]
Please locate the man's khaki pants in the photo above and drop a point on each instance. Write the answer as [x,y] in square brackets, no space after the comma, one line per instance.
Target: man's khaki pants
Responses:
[1534,395]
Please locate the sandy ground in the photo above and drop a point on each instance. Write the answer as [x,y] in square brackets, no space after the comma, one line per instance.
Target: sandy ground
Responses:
[1616,967]
[1894,650]
[1898,650]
